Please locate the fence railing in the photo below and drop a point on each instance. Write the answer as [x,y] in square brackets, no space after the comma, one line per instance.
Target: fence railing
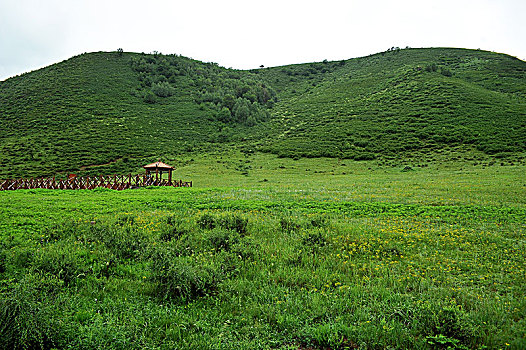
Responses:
[114,182]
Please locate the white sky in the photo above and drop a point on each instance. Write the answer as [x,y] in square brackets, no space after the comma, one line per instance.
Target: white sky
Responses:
[246,34]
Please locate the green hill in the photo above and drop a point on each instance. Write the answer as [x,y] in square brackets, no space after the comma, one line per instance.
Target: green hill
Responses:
[401,102]
[111,112]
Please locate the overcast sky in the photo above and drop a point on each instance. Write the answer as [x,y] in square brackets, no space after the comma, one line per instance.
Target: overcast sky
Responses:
[247,34]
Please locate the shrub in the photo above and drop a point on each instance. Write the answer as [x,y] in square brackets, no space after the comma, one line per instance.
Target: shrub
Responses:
[149,97]
[207,221]
[319,221]
[234,222]
[229,221]
[22,257]
[445,322]
[222,239]
[289,225]
[171,233]
[241,110]
[125,220]
[225,116]
[365,156]
[123,241]
[445,72]
[495,148]
[163,89]
[315,239]
[245,249]
[327,336]
[431,67]
[60,260]
[175,228]
[440,341]
[183,277]
[26,321]
[3,259]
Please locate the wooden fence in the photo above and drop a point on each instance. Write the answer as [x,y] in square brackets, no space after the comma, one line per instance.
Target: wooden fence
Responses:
[114,182]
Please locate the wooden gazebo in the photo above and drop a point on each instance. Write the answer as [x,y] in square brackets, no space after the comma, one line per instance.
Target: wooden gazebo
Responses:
[158,168]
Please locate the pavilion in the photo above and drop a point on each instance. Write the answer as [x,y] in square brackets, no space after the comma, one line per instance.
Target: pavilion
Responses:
[159,167]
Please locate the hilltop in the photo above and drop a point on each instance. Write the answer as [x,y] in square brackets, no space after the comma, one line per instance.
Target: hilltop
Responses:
[111,112]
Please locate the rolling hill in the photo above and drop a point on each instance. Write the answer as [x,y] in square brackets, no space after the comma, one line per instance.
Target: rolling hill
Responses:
[110,112]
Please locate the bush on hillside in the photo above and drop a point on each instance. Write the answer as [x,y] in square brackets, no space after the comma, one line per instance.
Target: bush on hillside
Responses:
[184,277]
[245,97]
[163,89]
[149,97]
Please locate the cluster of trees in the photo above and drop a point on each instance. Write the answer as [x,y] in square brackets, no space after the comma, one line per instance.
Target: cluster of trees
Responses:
[232,96]
[434,68]
[312,68]
[243,101]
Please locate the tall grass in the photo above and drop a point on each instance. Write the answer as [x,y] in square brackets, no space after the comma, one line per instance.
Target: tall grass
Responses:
[176,269]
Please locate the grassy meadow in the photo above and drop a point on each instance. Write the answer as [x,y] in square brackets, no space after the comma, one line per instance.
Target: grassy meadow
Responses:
[271,253]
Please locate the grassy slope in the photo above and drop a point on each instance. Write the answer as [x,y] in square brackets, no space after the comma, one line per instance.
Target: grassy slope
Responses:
[82,112]
[387,104]
[64,116]
[87,111]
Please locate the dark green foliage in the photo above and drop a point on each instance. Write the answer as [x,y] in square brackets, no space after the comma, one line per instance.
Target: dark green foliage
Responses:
[442,342]
[446,72]
[328,336]
[170,233]
[64,261]
[26,314]
[432,67]
[3,257]
[319,221]
[446,325]
[365,156]
[125,242]
[226,221]
[222,239]
[125,220]
[207,221]
[22,258]
[289,224]
[183,277]
[242,95]
[163,89]
[314,239]
[234,222]
[149,97]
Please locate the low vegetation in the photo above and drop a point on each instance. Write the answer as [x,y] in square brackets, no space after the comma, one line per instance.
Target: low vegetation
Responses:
[375,258]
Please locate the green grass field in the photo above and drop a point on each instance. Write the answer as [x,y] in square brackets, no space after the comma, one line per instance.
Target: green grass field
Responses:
[271,253]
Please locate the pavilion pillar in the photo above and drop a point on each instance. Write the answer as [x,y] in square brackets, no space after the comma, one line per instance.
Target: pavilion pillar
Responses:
[170,177]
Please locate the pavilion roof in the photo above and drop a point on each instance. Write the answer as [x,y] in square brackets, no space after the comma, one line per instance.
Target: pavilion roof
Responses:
[158,165]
